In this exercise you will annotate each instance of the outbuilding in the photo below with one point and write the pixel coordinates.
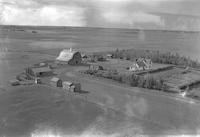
(14, 82)
(70, 57)
(110, 56)
(67, 85)
(39, 71)
(71, 87)
(56, 82)
(77, 87)
(95, 67)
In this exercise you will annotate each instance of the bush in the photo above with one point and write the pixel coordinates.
(157, 57)
(133, 80)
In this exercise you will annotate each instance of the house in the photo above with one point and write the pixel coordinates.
(135, 67)
(148, 63)
(70, 57)
(56, 82)
(141, 64)
(39, 71)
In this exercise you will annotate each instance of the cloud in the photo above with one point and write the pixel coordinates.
(50, 15)
(132, 18)
(100, 13)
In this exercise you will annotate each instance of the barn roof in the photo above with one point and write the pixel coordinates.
(66, 55)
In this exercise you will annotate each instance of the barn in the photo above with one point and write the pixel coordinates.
(70, 56)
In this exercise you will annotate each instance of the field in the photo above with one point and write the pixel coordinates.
(107, 109)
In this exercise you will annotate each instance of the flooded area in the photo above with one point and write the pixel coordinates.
(36, 111)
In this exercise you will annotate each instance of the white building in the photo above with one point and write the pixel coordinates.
(70, 56)
(141, 64)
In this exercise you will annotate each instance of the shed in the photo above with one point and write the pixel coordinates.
(38, 81)
(110, 56)
(72, 87)
(67, 85)
(95, 67)
(70, 56)
(14, 82)
(39, 71)
(56, 82)
(77, 87)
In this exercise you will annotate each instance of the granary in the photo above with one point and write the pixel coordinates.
(141, 64)
(56, 82)
(69, 56)
(39, 71)
(67, 85)
(71, 87)
(77, 87)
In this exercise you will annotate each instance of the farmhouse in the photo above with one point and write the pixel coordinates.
(56, 82)
(141, 64)
(70, 56)
(39, 71)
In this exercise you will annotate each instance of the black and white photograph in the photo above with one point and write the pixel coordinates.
(99, 68)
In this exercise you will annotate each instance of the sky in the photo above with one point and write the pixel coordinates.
(142, 14)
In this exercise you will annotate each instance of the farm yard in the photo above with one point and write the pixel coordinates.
(122, 65)
(109, 107)
(175, 78)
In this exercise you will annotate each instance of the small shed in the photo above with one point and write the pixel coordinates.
(71, 87)
(95, 67)
(39, 71)
(110, 56)
(67, 85)
(38, 81)
(56, 82)
(77, 87)
(14, 82)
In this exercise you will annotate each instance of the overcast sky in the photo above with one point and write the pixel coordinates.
(103, 13)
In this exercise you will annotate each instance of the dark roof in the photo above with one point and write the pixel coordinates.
(41, 69)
